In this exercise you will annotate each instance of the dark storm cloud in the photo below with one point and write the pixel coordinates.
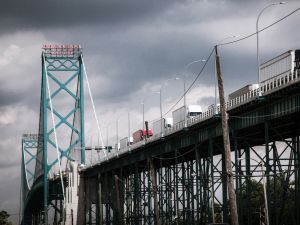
(9, 164)
(42, 14)
(9, 97)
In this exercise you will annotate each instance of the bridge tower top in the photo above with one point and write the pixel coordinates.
(62, 51)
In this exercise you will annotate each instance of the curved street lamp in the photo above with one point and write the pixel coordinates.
(257, 40)
(160, 103)
(184, 83)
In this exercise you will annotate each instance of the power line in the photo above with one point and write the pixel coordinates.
(265, 28)
(203, 67)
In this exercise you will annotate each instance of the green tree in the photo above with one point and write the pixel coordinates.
(281, 198)
(4, 218)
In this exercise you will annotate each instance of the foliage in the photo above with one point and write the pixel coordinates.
(4, 218)
(281, 201)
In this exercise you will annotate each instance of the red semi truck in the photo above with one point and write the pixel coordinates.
(140, 135)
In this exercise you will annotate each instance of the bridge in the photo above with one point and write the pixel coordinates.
(176, 177)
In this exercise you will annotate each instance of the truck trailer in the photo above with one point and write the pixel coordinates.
(160, 125)
(242, 91)
(125, 142)
(190, 111)
(280, 66)
(140, 135)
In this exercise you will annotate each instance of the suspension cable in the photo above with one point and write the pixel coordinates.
(94, 108)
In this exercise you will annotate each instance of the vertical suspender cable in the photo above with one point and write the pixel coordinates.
(54, 129)
(94, 108)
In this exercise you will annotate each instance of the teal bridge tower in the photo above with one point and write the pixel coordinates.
(60, 137)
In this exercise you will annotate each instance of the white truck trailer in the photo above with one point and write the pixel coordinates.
(281, 66)
(242, 91)
(159, 126)
(125, 142)
(190, 111)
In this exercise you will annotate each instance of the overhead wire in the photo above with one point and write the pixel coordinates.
(265, 28)
(192, 84)
(188, 89)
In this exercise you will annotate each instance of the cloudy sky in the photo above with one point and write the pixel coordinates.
(131, 48)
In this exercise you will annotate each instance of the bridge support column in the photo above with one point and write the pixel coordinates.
(238, 174)
(267, 166)
(74, 197)
(154, 191)
(198, 188)
(118, 201)
(248, 179)
(100, 202)
(297, 179)
(211, 181)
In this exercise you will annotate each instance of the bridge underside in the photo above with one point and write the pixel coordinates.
(34, 214)
(181, 178)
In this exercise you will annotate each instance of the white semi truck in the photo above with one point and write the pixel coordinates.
(158, 126)
(242, 91)
(125, 142)
(190, 111)
(281, 66)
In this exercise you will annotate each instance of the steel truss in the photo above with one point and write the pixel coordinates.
(190, 184)
(281, 161)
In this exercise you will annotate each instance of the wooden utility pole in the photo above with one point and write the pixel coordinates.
(227, 151)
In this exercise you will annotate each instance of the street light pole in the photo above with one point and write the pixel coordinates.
(160, 104)
(117, 135)
(129, 141)
(161, 117)
(257, 41)
(263, 169)
(107, 137)
(184, 84)
(143, 115)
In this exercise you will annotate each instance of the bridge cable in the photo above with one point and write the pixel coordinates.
(54, 130)
(94, 108)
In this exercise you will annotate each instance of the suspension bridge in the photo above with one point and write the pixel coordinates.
(175, 178)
